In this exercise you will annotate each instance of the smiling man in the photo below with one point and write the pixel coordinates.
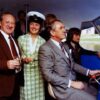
(9, 87)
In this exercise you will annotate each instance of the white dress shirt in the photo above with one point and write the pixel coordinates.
(6, 36)
(57, 44)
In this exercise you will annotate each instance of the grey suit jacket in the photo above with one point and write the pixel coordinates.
(57, 69)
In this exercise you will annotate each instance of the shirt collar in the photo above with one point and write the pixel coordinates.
(4, 34)
(56, 43)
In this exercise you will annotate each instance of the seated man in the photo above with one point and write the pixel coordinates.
(59, 69)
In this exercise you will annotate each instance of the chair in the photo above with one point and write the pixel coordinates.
(50, 90)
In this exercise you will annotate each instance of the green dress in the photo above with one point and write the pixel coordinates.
(33, 81)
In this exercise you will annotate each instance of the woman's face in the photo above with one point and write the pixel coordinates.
(34, 28)
(76, 38)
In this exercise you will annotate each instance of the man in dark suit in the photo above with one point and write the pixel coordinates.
(59, 69)
(20, 28)
(8, 64)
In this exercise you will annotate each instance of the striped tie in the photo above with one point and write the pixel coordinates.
(13, 49)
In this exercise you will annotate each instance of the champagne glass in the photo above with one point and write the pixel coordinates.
(18, 66)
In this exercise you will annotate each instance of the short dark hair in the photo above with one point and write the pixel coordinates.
(35, 19)
(21, 12)
(6, 13)
(51, 15)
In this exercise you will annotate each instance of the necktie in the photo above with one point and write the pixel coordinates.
(63, 50)
(62, 47)
(13, 49)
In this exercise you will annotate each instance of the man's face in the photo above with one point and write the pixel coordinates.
(7, 24)
(21, 17)
(76, 38)
(59, 31)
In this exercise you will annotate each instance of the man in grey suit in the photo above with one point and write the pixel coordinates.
(59, 69)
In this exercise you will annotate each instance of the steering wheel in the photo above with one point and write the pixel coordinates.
(95, 79)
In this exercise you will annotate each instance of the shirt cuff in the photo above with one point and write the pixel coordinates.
(69, 84)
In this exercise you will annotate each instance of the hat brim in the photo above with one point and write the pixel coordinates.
(38, 14)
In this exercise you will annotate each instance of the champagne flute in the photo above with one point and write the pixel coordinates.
(18, 66)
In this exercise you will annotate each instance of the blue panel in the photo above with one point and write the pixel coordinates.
(90, 61)
(98, 96)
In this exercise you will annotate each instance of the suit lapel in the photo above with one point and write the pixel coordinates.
(67, 50)
(5, 46)
(17, 46)
(57, 50)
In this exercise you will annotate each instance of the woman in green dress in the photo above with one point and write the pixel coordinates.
(29, 44)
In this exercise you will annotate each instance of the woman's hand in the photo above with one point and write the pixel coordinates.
(27, 60)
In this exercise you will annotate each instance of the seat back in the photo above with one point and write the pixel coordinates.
(50, 90)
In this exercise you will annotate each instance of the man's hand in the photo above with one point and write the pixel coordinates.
(13, 64)
(77, 84)
(94, 72)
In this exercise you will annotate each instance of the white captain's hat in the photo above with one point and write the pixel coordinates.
(35, 13)
(37, 17)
